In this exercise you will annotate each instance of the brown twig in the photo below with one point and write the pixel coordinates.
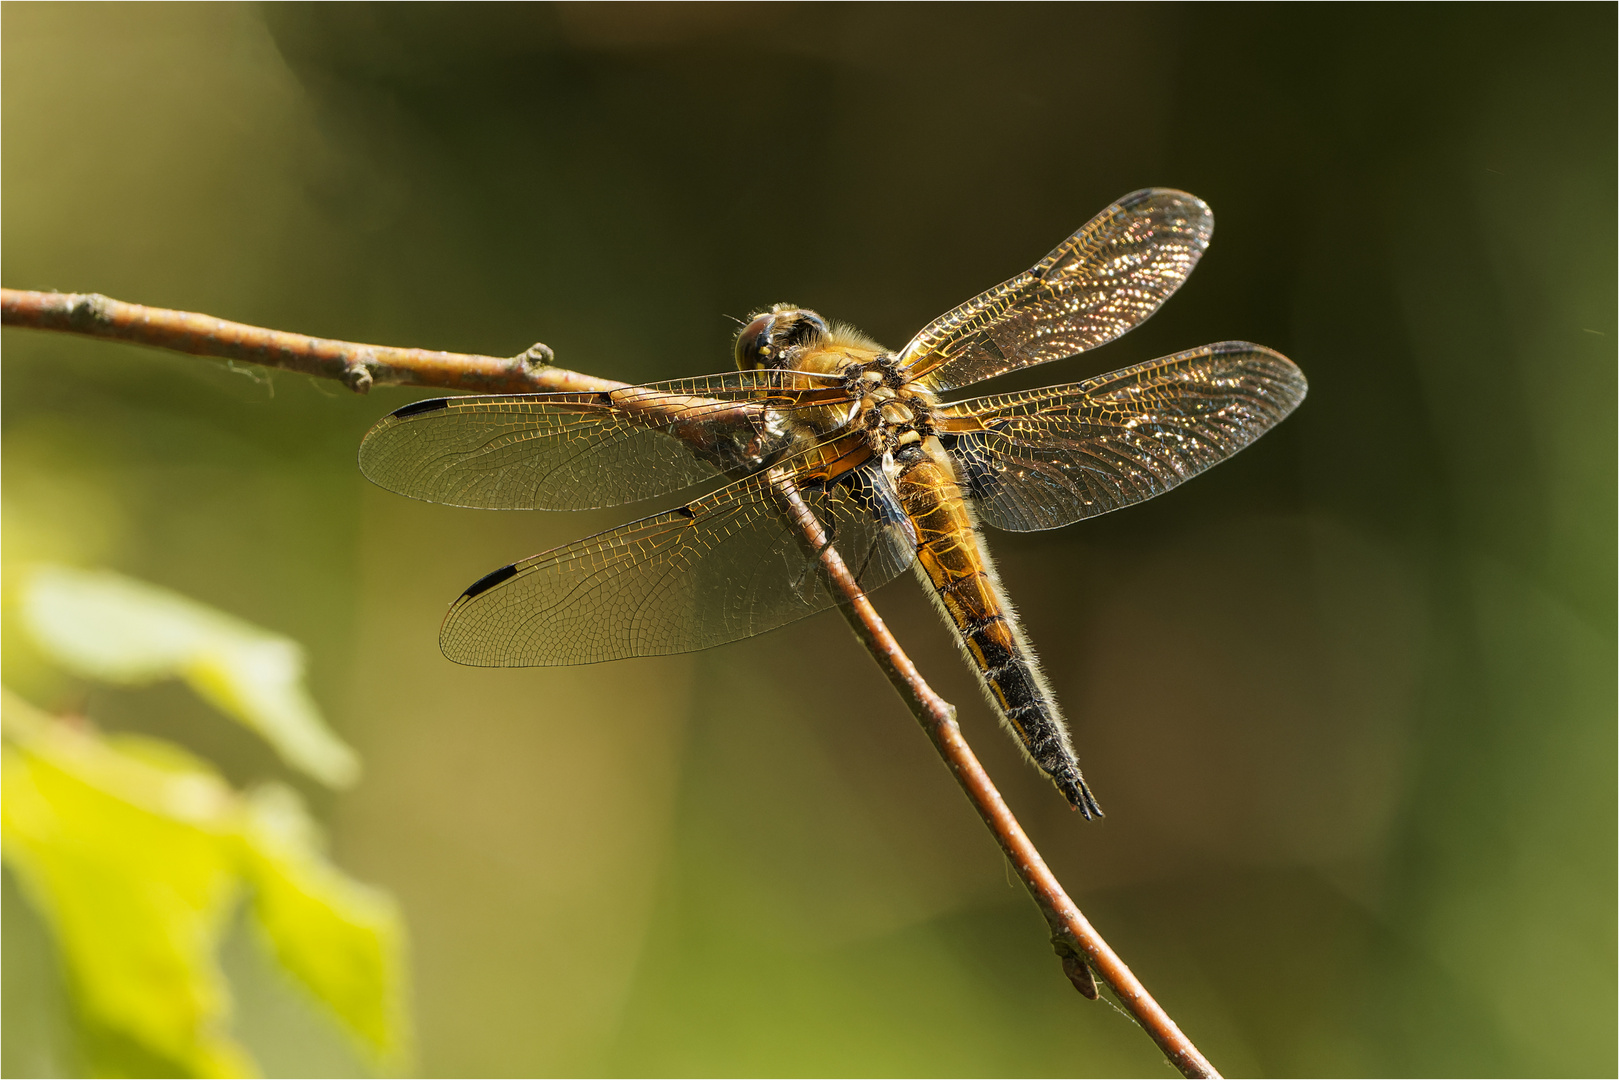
(1076, 942)
(357, 366)
(1072, 936)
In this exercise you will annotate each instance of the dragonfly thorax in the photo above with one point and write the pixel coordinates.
(892, 416)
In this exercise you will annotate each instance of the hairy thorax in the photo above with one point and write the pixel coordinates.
(858, 398)
(892, 417)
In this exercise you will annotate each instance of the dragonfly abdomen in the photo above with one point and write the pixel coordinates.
(952, 560)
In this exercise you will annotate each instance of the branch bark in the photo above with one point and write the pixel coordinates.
(357, 366)
(1081, 949)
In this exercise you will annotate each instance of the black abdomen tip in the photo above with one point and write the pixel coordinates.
(1078, 794)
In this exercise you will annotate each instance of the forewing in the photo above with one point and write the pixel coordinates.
(1045, 458)
(581, 450)
(1105, 279)
(724, 567)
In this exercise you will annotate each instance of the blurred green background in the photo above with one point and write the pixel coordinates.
(1348, 699)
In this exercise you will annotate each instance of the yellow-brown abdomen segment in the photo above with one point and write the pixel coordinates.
(953, 560)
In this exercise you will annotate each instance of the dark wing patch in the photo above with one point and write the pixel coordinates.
(490, 580)
(416, 408)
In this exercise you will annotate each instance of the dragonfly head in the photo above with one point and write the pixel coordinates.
(775, 337)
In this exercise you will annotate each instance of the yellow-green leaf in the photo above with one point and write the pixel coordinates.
(134, 851)
(132, 858)
(344, 941)
(114, 629)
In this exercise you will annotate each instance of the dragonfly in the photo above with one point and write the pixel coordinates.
(821, 440)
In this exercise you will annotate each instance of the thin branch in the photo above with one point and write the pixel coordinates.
(357, 366)
(1081, 949)
(1072, 936)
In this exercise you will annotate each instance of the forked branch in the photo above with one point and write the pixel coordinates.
(1076, 942)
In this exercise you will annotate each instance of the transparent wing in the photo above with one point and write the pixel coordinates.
(724, 567)
(582, 450)
(1044, 458)
(1105, 279)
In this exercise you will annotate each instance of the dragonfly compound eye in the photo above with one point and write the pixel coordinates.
(765, 341)
(753, 347)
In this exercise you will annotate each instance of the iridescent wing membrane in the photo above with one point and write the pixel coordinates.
(1102, 281)
(721, 568)
(1045, 458)
(584, 450)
